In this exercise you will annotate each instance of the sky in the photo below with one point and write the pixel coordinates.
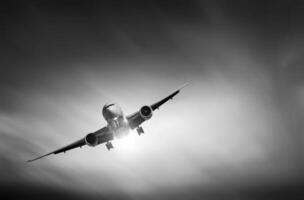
(235, 132)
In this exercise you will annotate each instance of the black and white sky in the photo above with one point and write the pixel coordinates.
(236, 132)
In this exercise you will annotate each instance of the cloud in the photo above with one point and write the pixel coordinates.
(232, 133)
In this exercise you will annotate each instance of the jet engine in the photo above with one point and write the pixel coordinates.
(139, 117)
(146, 112)
(91, 139)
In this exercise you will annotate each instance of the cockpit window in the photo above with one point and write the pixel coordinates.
(112, 104)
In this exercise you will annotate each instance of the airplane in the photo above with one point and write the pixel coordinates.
(117, 126)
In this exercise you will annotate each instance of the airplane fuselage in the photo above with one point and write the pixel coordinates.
(117, 123)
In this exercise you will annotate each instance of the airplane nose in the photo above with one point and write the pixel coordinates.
(111, 111)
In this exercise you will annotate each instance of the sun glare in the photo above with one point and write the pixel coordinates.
(129, 144)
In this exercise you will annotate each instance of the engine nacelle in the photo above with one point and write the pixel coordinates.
(91, 139)
(139, 117)
(146, 112)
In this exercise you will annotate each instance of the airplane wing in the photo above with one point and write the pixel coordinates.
(135, 121)
(102, 135)
(78, 143)
(161, 102)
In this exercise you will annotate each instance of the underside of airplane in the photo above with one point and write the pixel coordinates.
(118, 125)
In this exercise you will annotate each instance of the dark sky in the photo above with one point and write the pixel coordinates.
(236, 132)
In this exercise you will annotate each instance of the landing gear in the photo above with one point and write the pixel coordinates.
(140, 130)
(109, 146)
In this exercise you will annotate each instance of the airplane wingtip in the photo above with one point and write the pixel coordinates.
(31, 160)
(184, 85)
